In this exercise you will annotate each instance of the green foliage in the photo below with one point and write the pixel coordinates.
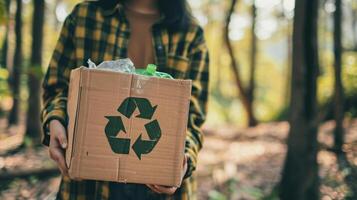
(326, 86)
(274, 195)
(231, 190)
(33, 180)
(35, 70)
(28, 142)
(350, 73)
(228, 190)
(232, 187)
(215, 195)
(3, 13)
(4, 88)
(253, 192)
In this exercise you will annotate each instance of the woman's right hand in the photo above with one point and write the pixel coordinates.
(58, 144)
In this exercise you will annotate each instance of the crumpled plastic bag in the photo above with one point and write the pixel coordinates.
(127, 66)
(120, 65)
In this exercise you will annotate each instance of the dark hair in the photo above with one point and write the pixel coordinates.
(177, 13)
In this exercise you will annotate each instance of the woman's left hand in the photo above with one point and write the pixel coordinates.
(168, 189)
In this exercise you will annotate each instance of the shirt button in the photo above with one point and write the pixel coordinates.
(159, 47)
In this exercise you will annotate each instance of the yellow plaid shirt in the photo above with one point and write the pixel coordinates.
(102, 34)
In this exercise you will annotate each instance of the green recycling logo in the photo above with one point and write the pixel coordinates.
(115, 126)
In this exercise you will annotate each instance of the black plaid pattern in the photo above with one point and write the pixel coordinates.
(91, 32)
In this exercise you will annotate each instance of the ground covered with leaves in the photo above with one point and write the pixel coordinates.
(235, 163)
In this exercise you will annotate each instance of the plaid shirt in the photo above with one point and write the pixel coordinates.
(92, 32)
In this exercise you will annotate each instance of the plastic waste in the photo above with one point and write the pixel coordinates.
(120, 65)
(151, 71)
(127, 66)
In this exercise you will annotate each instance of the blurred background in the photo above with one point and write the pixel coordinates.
(282, 106)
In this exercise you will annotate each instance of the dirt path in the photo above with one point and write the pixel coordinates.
(234, 164)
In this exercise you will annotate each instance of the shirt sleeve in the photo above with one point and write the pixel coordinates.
(55, 83)
(199, 74)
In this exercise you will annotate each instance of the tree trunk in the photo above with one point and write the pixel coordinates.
(354, 26)
(253, 56)
(16, 68)
(300, 174)
(247, 103)
(33, 127)
(338, 97)
(4, 48)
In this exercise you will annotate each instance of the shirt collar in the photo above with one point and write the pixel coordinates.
(110, 11)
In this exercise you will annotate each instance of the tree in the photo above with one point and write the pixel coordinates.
(2, 11)
(16, 68)
(354, 27)
(3, 59)
(253, 58)
(338, 95)
(33, 127)
(300, 173)
(246, 93)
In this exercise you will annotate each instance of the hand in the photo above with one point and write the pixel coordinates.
(58, 144)
(167, 189)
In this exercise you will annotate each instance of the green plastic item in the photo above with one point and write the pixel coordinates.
(151, 71)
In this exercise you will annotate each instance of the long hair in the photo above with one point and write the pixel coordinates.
(177, 12)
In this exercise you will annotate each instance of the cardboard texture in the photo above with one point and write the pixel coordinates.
(126, 127)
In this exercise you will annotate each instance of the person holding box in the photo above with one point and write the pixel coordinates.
(147, 31)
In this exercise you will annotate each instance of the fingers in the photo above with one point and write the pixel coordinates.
(62, 138)
(162, 189)
(58, 132)
(57, 155)
(58, 142)
(165, 189)
(153, 188)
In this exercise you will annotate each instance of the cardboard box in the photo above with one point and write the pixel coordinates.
(126, 127)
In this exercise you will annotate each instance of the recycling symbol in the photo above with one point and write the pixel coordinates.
(115, 126)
